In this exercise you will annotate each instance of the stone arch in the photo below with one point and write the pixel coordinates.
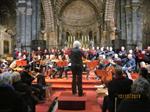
(70, 17)
(96, 4)
(50, 29)
(65, 4)
(109, 9)
(48, 14)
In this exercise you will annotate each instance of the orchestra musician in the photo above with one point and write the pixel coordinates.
(129, 66)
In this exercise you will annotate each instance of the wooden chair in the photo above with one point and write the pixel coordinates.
(91, 66)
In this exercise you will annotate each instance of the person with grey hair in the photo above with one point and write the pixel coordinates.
(25, 91)
(6, 78)
(76, 68)
(15, 77)
(139, 100)
(10, 101)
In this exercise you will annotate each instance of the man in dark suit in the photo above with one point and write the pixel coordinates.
(76, 67)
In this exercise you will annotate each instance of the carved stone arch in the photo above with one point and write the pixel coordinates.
(108, 25)
(109, 10)
(50, 30)
(67, 2)
(49, 15)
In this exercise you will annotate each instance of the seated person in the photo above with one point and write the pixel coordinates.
(141, 100)
(25, 92)
(10, 101)
(119, 85)
(129, 66)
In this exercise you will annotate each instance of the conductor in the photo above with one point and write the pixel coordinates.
(76, 68)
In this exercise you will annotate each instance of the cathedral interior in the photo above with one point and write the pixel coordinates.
(25, 24)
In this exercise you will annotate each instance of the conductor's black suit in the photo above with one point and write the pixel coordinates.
(76, 67)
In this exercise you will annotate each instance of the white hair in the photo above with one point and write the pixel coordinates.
(110, 48)
(76, 44)
(142, 64)
(141, 86)
(130, 51)
(116, 55)
(16, 77)
(122, 48)
(6, 78)
(129, 56)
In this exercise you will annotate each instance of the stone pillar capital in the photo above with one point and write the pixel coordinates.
(29, 11)
(22, 10)
(128, 7)
(135, 6)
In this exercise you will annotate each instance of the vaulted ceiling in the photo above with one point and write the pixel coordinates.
(8, 12)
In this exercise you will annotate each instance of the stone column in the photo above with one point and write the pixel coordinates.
(136, 23)
(139, 27)
(128, 24)
(28, 26)
(18, 30)
(98, 37)
(123, 21)
(60, 35)
(36, 21)
(23, 26)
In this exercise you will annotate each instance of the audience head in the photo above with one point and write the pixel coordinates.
(76, 44)
(144, 72)
(110, 49)
(16, 77)
(93, 48)
(102, 48)
(47, 56)
(38, 57)
(148, 48)
(97, 48)
(24, 57)
(143, 52)
(142, 64)
(19, 55)
(39, 48)
(136, 48)
(141, 86)
(115, 55)
(129, 56)
(107, 48)
(118, 72)
(6, 78)
(130, 51)
(122, 48)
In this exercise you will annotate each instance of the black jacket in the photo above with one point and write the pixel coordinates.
(119, 86)
(76, 57)
(134, 105)
(116, 88)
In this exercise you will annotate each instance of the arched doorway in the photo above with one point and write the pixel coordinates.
(79, 18)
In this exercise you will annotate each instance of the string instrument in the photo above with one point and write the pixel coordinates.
(106, 74)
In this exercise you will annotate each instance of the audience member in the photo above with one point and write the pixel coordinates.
(139, 100)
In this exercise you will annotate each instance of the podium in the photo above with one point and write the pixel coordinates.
(67, 101)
